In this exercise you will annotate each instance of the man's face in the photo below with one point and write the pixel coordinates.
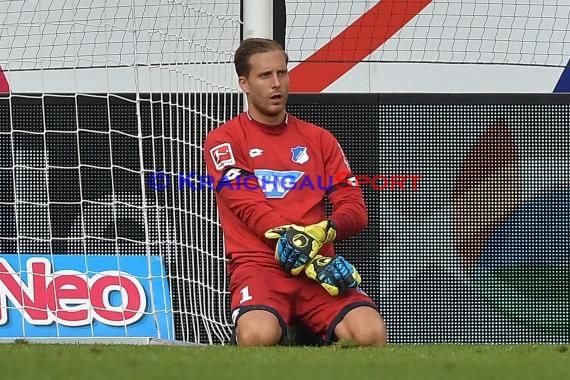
(267, 87)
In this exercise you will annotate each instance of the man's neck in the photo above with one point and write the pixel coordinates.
(267, 120)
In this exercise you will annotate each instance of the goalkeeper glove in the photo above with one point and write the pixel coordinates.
(335, 274)
(298, 245)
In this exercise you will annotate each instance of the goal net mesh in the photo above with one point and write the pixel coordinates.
(101, 139)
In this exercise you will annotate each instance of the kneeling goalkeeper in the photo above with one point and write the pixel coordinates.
(278, 239)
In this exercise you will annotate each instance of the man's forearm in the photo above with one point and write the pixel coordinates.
(349, 212)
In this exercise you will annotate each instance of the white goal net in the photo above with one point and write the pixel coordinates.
(105, 228)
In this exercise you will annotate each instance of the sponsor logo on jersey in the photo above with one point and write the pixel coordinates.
(276, 183)
(299, 154)
(222, 155)
(352, 181)
(255, 152)
(232, 174)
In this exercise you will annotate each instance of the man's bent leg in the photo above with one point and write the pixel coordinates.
(258, 328)
(352, 316)
(363, 325)
(261, 304)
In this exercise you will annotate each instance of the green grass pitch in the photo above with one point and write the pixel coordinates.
(341, 361)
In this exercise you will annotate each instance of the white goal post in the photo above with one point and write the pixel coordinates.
(106, 232)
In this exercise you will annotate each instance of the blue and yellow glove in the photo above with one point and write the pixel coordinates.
(335, 274)
(298, 245)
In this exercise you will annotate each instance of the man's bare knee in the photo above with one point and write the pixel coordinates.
(258, 328)
(375, 336)
(364, 326)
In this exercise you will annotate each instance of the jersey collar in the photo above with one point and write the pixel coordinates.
(271, 129)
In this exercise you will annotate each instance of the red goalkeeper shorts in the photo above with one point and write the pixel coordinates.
(291, 298)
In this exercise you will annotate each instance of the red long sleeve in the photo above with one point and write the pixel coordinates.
(349, 212)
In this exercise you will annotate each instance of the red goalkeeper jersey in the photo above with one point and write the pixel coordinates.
(268, 176)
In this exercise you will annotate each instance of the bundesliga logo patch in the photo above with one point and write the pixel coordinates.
(222, 155)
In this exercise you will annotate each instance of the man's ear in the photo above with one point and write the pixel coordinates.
(243, 84)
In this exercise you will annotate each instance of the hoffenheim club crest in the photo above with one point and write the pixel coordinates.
(299, 154)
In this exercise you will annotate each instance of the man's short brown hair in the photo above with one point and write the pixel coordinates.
(251, 46)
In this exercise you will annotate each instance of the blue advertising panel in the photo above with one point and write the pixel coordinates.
(84, 296)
